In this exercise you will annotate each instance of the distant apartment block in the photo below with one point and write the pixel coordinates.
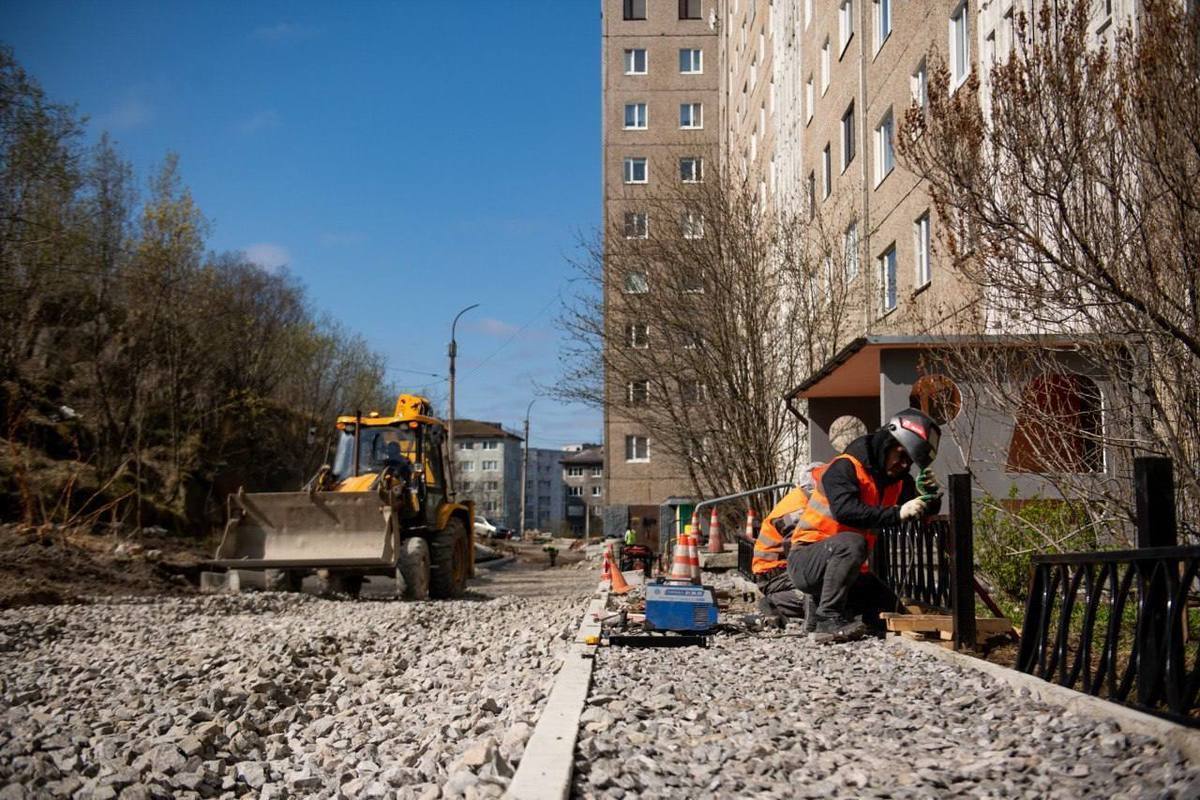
(582, 474)
(544, 508)
(487, 464)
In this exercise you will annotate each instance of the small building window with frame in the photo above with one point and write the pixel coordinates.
(635, 9)
(635, 61)
(691, 169)
(887, 279)
(689, 9)
(691, 61)
(636, 170)
(637, 448)
(637, 393)
(636, 225)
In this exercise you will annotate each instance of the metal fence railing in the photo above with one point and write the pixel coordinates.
(1115, 624)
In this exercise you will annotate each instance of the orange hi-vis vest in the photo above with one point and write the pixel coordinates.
(803, 518)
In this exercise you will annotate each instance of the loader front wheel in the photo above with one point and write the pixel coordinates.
(414, 568)
(449, 561)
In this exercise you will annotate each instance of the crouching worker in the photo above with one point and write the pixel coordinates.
(867, 487)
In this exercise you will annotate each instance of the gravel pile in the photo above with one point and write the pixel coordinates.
(274, 695)
(763, 716)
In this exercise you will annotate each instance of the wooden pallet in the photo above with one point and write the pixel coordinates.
(940, 627)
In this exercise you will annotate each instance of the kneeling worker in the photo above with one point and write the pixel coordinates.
(866, 488)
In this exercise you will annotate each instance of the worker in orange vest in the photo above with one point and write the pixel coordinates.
(829, 531)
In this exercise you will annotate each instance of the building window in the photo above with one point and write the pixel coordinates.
(809, 100)
(691, 392)
(489, 466)
(825, 68)
(826, 172)
(960, 46)
(575, 491)
(635, 170)
(635, 116)
(636, 283)
(637, 448)
(691, 61)
(883, 22)
(845, 25)
(691, 169)
(467, 466)
(574, 472)
(635, 9)
(848, 136)
(887, 279)
(637, 393)
(1058, 426)
(637, 335)
(691, 225)
(851, 246)
(464, 445)
(489, 445)
(595, 491)
(491, 486)
(635, 61)
(597, 472)
(691, 115)
(689, 9)
(919, 84)
(921, 249)
(885, 154)
(636, 225)
(693, 282)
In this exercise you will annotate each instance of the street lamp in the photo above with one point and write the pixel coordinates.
(450, 429)
(525, 469)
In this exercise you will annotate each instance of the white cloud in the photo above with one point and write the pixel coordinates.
(270, 257)
(259, 121)
(494, 327)
(284, 32)
(129, 113)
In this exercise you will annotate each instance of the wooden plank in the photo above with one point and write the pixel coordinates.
(942, 622)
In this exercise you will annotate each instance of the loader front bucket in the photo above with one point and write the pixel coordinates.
(299, 529)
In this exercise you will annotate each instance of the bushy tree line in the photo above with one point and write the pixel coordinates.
(142, 377)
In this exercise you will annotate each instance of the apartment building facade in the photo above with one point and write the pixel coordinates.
(544, 490)
(582, 474)
(661, 127)
(487, 464)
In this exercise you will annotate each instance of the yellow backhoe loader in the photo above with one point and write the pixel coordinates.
(383, 507)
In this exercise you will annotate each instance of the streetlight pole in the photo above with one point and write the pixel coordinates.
(525, 469)
(450, 427)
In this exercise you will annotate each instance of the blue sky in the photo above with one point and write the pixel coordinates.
(403, 159)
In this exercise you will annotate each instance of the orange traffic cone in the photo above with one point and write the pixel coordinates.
(693, 556)
(715, 545)
(619, 584)
(606, 573)
(750, 518)
(681, 570)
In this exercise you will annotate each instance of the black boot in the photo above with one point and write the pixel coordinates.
(837, 628)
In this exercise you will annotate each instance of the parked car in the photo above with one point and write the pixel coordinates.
(483, 528)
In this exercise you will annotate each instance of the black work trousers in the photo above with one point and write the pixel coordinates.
(827, 569)
(778, 590)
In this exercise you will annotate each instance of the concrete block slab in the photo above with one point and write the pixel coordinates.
(242, 580)
(718, 561)
(214, 582)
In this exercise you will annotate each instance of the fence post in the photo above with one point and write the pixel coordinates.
(962, 562)
(1154, 494)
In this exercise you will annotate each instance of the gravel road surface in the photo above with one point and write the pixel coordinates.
(276, 695)
(777, 716)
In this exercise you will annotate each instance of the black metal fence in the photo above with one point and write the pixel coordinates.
(933, 563)
(1115, 624)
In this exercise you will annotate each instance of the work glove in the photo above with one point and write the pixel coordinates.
(927, 485)
(913, 509)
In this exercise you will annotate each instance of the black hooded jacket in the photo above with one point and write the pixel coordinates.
(840, 484)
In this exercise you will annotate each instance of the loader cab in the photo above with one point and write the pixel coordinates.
(399, 445)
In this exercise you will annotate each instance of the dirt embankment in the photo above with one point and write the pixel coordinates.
(67, 566)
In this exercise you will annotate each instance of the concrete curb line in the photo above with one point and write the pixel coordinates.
(549, 760)
(495, 562)
(1183, 739)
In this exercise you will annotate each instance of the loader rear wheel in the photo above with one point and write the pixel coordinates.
(414, 568)
(449, 561)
